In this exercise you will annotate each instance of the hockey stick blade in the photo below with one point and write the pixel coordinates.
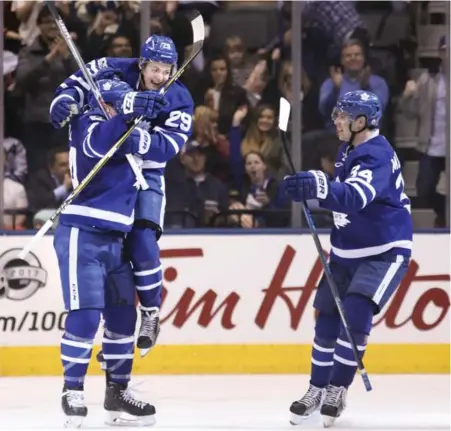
(197, 25)
(284, 115)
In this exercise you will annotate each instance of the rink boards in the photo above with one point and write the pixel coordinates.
(232, 303)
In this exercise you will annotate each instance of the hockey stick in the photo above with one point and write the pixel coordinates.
(197, 25)
(284, 115)
(93, 86)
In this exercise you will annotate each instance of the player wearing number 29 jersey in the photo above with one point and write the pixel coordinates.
(166, 134)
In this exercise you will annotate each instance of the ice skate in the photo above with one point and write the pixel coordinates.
(333, 405)
(304, 407)
(149, 330)
(122, 409)
(73, 404)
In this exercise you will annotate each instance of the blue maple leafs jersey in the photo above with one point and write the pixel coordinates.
(168, 132)
(105, 203)
(371, 211)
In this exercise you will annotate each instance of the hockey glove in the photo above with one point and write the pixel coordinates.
(138, 143)
(146, 103)
(62, 109)
(108, 73)
(306, 185)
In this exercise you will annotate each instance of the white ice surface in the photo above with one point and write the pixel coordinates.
(248, 403)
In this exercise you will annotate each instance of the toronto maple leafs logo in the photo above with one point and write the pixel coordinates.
(365, 97)
(340, 220)
(107, 86)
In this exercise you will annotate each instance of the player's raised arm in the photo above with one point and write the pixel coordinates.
(72, 94)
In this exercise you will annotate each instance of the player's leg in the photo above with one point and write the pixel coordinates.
(82, 280)
(327, 329)
(372, 285)
(118, 348)
(144, 253)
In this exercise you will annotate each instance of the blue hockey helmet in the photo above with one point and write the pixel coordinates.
(357, 104)
(112, 92)
(160, 49)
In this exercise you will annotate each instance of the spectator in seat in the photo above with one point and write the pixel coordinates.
(105, 19)
(215, 146)
(241, 66)
(16, 159)
(261, 136)
(195, 190)
(353, 74)
(260, 191)
(42, 66)
(49, 187)
(425, 99)
(14, 198)
(219, 93)
(119, 46)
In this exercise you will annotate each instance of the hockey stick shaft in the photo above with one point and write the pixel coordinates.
(198, 36)
(93, 86)
(322, 256)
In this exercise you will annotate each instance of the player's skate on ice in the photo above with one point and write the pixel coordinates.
(371, 248)
(123, 409)
(74, 407)
(309, 403)
(89, 240)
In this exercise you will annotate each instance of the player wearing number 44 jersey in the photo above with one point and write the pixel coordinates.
(167, 133)
(371, 247)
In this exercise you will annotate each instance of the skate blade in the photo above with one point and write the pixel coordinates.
(74, 421)
(144, 352)
(122, 419)
(298, 419)
(328, 421)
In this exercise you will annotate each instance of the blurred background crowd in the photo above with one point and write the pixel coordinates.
(229, 172)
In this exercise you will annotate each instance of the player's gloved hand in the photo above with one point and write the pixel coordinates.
(306, 185)
(138, 143)
(62, 109)
(108, 73)
(142, 103)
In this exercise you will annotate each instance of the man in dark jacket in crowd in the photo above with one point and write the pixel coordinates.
(42, 66)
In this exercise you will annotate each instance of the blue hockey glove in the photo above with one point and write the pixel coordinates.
(108, 73)
(139, 142)
(306, 185)
(146, 103)
(62, 109)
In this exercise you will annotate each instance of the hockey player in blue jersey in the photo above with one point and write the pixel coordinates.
(168, 132)
(371, 247)
(96, 278)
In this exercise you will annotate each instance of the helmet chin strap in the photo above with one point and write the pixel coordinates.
(354, 133)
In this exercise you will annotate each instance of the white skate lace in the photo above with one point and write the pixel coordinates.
(128, 397)
(333, 395)
(75, 398)
(149, 324)
(311, 397)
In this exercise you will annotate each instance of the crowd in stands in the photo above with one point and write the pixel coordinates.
(228, 174)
